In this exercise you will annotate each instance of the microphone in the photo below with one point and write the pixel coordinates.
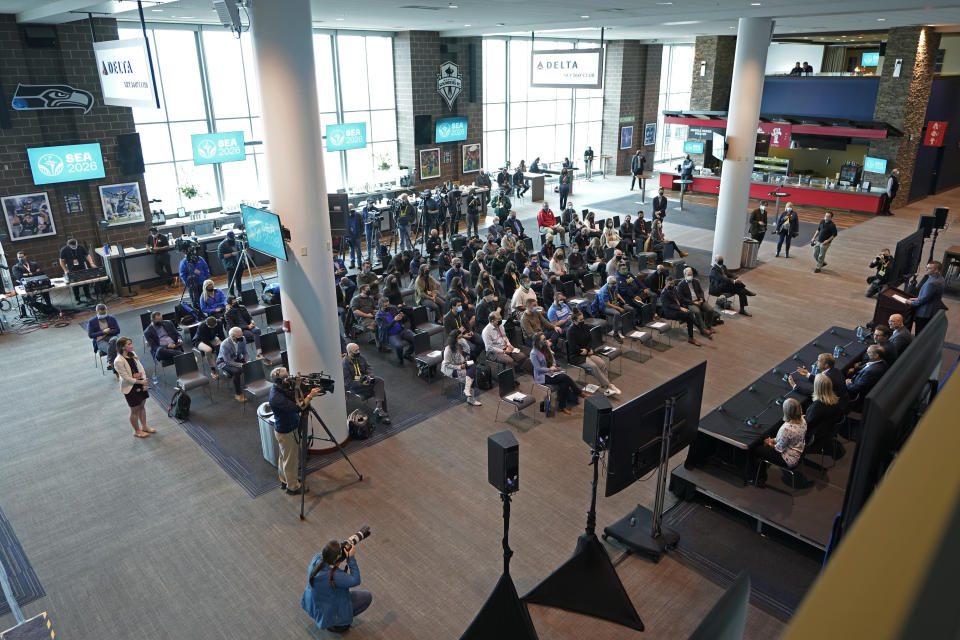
(796, 356)
(775, 370)
(815, 343)
(720, 409)
(779, 401)
(751, 388)
(833, 332)
(751, 422)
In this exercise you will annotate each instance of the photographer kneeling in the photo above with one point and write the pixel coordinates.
(286, 414)
(328, 598)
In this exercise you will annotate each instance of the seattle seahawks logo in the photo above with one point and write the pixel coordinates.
(32, 97)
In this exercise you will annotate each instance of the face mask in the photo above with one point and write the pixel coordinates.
(623, 271)
(157, 323)
(72, 245)
(238, 339)
(459, 309)
(826, 219)
(489, 299)
(688, 278)
(209, 289)
(526, 285)
(496, 323)
(101, 316)
(129, 348)
(720, 261)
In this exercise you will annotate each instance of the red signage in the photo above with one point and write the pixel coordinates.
(779, 133)
(935, 133)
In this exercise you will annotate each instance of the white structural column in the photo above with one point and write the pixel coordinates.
(753, 40)
(283, 49)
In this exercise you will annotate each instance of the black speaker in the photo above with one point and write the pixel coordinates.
(129, 153)
(940, 213)
(474, 72)
(597, 411)
(421, 129)
(39, 36)
(883, 48)
(4, 112)
(503, 461)
(339, 206)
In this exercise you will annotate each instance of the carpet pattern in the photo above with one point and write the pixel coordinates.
(23, 581)
(719, 543)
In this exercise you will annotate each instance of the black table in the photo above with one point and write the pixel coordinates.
(729, 432)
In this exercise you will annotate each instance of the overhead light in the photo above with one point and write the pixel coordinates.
(467, 25)
(451, 6)
(680, 22)
(881, 19)
(584, 17)
(339, 19)
(664, 4)
(731, 27)
(755, 4)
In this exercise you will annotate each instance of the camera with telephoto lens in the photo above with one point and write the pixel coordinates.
(306, 382)
(353, 540)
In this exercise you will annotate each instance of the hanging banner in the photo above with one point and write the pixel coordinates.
(936, 131)
(33, 97)
(567, 68)
(779, 133)
(66, 163)
(343, 137)
(125, 74)
(214, 148)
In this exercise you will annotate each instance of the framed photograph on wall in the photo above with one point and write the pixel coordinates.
(471, 158)
(122, 203)
(28, 216)
(626, 137)
(650, 134)
(73, 203)
(429, 163)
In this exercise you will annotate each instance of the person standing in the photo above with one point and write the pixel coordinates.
(159, 245)
(930, 298)
(565, 177)
(370, 221)
(881, 263)
(788, 227)
(758, 222)
(483, 181)
(406, 216)
(637, 164)
(588, 163)
(826, 232)
(893, 186)
(133, 386)
(355, 229)
(229, 256)
(286, 420)
(686, 168)
(73, 257)
(193, 272)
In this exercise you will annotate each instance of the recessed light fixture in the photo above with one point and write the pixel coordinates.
(755, 4)
(451, 6)
(664, 4)
(881, 19)
(467, 25)
(339, 19)
(680, 22)
(584, 17)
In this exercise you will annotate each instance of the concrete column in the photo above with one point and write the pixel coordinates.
(753, 39)
(283, 50)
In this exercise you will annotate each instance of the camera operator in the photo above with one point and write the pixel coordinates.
(193, 271)
(371, 219)
(881, 263)
(443, 218)
(286, 414)
(358, 379)
(355, 230)
(474, 207)
(229, 255)
(159, 245)
(431, 211)
(483, 180)
(328, 598)
(406, 216)
(454, 200)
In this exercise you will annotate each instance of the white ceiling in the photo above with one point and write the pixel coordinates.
(648, 20)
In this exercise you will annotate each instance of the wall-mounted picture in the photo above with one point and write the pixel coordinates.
(429, 163)
(122, 203)
(73, 202)
(649, 134)
(471, 158)
(626, 137)
(28, 216)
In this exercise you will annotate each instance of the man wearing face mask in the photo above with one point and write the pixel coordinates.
(758, 222)
(388, 323)
(358, 379)
(722, 282)
(369, 278)
(580, 353)
(535, 272)
(73, 257)
(657, 280)
(633, 294)
(163, 338)
(237, 315)
(159, 245)
(559, 313)
(523, 295)
(691, 296)
(25, 268)
(104, 330)
(487, 305)
(826, 232)
(406, 216)
(534, 321)
(499, 348)
(881, 263)
(286, 413)
(229, 255)
(671, 308)
(788, 227)
(230, 360)
(515, 225)
(193, 271)
(454, 321)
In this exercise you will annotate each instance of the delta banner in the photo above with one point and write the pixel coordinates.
(935, 134)
(779, 133)
(125, 74)
(567, 68)
(343, 137)
(50, 165)
(214, 148)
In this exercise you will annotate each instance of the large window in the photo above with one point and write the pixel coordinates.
(521, 122)
(676, 78)
(207, 82)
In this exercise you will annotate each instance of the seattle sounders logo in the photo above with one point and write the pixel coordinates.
(207, 149)
(50, 165)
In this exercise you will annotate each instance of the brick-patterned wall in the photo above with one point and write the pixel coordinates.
(711, 92)
(72, 63)
(417, 59)
(902, 102)
(612, 78)
(631, 82)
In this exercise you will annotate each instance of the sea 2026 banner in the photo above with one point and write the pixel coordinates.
(567, 68)
(65, 163)
(214, 148)
(343, 137)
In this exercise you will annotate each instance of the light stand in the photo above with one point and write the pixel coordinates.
(642, 530)
(588, 582)
(305, 438)
(244, 261)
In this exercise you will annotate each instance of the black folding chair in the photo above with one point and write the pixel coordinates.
(601, 349)
(270, 348)
(189, 375)
(255, 383)
(273, 316)
(507, 386)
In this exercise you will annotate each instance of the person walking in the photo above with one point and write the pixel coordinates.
(758, 222)
(788, 227)
(826, 232)
(893, 186)
(637, 164)
(133, 386)
(564, 187)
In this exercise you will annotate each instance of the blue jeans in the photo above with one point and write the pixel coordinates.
(400, 340)
(782, 237)
(356, 255)
(405, 243)
(371, 235)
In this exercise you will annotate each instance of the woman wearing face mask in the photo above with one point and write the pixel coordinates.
(546, 372)
(212, 300)
(548, 248)
(426, 292)
(788, 228)
(133, 386)
(611, 236)
(558, 266)
(458, 294)
(458, 366)
(658, 241)
(511, 280)
(596, 258)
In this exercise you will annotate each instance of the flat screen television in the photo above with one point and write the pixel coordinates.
(870, 59)
(451, 129)
(874, 165)
(264, 232)
(717, 148)
(693, 146)
(906, 258)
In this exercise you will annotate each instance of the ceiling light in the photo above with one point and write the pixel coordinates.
(584, 17)
(755, 4)
(881, 19)
(467, 25)
(451, 6)
(664, 4)
(680, 22)
(339, 19)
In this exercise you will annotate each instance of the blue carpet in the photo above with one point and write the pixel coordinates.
(719, 543)
(23, 581)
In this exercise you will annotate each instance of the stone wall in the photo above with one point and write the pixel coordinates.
(70, 62)
(631, 85)
(711, 91)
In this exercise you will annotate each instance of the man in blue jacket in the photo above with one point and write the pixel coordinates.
(193, 272)
(355, 230)
(104, 330)
(930, 298)
(328, 598)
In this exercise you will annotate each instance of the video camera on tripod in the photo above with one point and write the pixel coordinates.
(189, 247)
(304, 383)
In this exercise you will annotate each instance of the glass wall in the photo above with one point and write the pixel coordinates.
(207, 82)
(521, 122)
(676, 77)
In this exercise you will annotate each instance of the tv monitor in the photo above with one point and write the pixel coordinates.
(264, 232)
(693, 146)
(874, 165)
(636, 428)
(870, 59)
(906, 258)
(50, 165)
(717, 147)
(451, 129)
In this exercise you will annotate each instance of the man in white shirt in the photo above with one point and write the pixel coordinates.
(498, 345)
(523, 293)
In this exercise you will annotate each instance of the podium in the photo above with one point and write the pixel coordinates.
(888, 304)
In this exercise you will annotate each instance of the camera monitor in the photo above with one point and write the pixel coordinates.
(636, 428)
(264, 232)
(906, 258)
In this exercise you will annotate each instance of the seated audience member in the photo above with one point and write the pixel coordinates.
(523, 295)
(445, 257)
(359, 380)
(630, 289)
(860, 384)
(502, 206)
(368, 277)
(104, 330)
(534, 321)
(611, 236)
(613, 264)
(519, 183)
(459, 366)
(657, 279)
(611, 304)
(901, 336)
(535, 272)
(388, 320)
(230, 360)
(487, 281)
(671, 308)
(549, 223)
(364, 308)
(163, 338)
(547, 249)
(546, 372)
(591, 228)
(595, 258)
(459, 292)
(498, 264)
(208, 339)
(628, 236)
(784, 450)
(392, 291)
(824, 413)
(212, 300)
(456, 321)
(721, 282)
(456, 271)
(415, 263)
(580, 352)
(641, 229)
(520, 257)
(498, 345)
(426, 292)
(433, 244)
(347, 289)
(576, 267)
(559, 313)
(691, 296)
(339, 268)
(238, 316)
(825, 362)
(487, 304)
(478, 266)
(399, 265)
(514, 224)
(511, 280)
(658, 241)
(509, 240)
(550, 289)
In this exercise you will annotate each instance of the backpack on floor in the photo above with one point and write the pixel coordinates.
(360, 425)
(484, 377)
(383, 253)
(179, 408)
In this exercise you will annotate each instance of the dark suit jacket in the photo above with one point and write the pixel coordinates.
(720, 280)
(153, 340)
(516, 225)
(805, 385)
(670, 302)
(655, 281)
(683, 292)
(32, 269)
(869, 375)
(930, 298)
(94, 332)
(660, 203)
(901, 339)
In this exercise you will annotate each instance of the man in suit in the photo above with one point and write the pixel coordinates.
(515, 225)
(230, 360)
(691, 296)
(104, 330)
(869, 374)
(637, 164)
(660, 204)
(163, 338)
(901, 336)
(825, 365)
(722, 282)
(930, 298)
(671, 308)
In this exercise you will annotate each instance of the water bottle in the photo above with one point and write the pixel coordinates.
(836, 352)
(859, 332)
(813, 368)
(106, 249)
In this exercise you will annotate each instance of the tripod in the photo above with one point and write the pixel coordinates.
(305, 438)
(244, 261)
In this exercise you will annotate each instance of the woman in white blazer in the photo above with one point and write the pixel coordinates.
(133, 386)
